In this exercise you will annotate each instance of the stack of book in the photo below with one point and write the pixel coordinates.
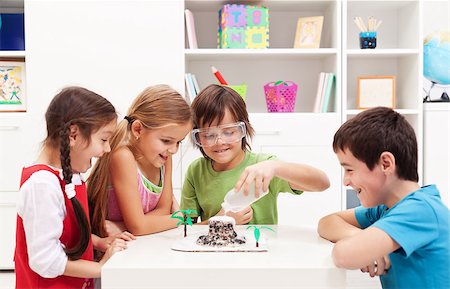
(192, 88)
(324, 91)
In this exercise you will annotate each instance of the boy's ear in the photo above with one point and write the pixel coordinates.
(387, 162)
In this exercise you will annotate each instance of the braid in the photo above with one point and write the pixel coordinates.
(64, 149)
(76, 251)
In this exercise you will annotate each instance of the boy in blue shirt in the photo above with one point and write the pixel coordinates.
(401, 231)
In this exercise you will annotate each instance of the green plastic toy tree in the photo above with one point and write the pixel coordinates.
(185, 219)
(257, 232)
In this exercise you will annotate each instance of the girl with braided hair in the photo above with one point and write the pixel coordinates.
(54, 246)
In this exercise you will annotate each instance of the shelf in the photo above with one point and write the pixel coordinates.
(12, 6)
(237, 54)
(283, 17)
(401, 111)
(12, 54)
(380, 53)
(278, 6)
(400, 28)
(375, 6)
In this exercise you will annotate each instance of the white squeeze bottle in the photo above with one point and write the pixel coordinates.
(237, 201)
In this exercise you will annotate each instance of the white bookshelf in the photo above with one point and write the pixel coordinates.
(256, 67)
(10, 137)
(301, 136)
(398, 52)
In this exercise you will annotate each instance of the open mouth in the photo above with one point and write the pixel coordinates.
(163, 157)
(221, 150)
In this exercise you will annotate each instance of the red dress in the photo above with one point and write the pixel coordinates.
(25, 276)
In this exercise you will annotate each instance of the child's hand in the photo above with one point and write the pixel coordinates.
(242, 217)
(114, 228)
(378, 267)
(261, 173)
(116, 246)
(105, 243)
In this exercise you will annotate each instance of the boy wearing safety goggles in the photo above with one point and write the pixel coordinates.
(222, 130)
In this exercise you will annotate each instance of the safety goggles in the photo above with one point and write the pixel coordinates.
(228, 133)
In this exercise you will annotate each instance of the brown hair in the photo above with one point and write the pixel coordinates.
(89, 112)
(155, 107)
(377, 130)
(211, 104)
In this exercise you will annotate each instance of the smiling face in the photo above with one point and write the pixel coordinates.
(82, 152)
(157, 145)
(369, 184)
(224, 156)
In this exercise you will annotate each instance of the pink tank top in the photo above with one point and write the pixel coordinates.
(149, 194)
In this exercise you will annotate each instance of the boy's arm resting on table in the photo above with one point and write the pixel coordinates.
(355, 248)
(123, 172)
(363, 249)
(338, 226)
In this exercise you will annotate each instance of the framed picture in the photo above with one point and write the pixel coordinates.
(309, 30)
(12, 83)
(376, 91)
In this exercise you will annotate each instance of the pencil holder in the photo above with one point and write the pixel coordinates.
(368, 40)
(280, 96)
(241, 89)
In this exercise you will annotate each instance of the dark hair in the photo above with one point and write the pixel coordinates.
(211, 104)
(89, 112)
(378, 130)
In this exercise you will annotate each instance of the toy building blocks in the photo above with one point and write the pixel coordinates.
(243, 26)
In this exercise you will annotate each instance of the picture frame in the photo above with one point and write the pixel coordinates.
(12, 86)
(309, 32)
(376, 91)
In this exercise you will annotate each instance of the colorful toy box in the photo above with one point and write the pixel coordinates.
(243, 26)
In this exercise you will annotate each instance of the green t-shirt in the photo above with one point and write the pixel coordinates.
(204, 189)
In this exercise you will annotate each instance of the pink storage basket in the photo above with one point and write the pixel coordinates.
(280, 96)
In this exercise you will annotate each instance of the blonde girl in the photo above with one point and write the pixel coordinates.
(54, 246)
(132, 186)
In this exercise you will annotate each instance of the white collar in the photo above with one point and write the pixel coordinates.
(77, 179)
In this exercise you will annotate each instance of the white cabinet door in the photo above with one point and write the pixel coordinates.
(8, 217)
(306, 209)
(437, 147)
(19, 144)
(302, 138)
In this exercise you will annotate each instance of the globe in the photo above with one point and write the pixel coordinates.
(436, 57)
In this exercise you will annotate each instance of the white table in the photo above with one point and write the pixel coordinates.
(296, 258)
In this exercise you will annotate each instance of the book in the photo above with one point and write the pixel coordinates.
(190, 29)
(197, 88)
(190, 90)
(318, 100)
(327, 92)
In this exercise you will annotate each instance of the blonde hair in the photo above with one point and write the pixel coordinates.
(155, 107)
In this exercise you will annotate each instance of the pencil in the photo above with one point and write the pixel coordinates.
(357, 24)
(218, 76)
(378, 25)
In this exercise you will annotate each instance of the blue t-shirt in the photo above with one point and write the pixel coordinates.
(419, 223)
